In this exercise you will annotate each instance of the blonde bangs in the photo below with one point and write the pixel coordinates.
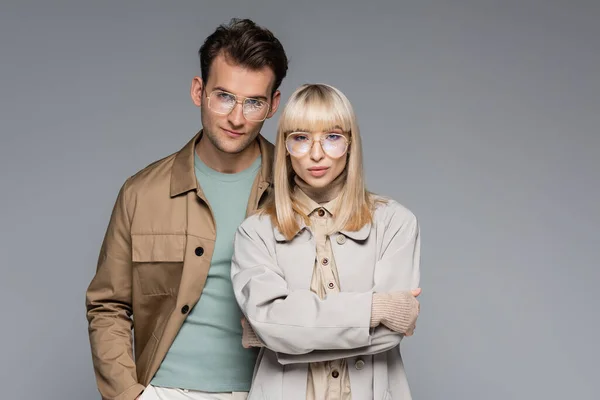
(315, 109)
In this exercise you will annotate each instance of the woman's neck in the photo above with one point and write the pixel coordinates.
(324, 194)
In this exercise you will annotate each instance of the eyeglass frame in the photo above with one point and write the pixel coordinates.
(348, 140)
(237, 101)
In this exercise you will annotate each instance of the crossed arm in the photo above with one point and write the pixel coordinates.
(300, 327)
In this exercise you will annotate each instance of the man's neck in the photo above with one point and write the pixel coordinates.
(226, 163)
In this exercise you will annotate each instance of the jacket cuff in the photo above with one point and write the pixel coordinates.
(131, 393)
(249, 337)
(397, 311)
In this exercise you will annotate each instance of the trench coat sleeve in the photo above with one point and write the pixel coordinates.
(382, 340)
(109, 310)
(292, 321)
(399, 265)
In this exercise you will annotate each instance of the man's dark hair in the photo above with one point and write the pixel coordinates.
(245, 44)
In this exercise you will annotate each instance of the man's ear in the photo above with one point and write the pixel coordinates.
(274, 103)
(196, 91)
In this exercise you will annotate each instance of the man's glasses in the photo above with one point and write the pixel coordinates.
(334, 145)
(222, 102)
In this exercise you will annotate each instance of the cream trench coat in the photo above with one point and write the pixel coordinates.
(271, 279)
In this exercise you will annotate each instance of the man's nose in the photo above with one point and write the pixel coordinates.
(236, 116)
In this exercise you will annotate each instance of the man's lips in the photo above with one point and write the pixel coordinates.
(232, 133)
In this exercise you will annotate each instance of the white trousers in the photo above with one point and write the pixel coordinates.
(161, 393)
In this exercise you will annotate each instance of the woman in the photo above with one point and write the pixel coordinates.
(327, 273)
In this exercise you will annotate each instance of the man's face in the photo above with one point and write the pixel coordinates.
(233, 133)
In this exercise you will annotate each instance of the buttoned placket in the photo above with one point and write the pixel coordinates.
(326, 281)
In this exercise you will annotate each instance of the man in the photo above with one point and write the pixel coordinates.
(164, 265)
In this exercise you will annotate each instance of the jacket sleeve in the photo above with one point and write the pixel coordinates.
(398, 266)
(293, 321)
(397, 269)
(108, 303)
(382, 340)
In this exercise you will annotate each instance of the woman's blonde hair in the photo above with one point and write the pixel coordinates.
(318, 108)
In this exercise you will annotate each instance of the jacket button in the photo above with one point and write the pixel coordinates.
(185, 309)
(321, 212)
(199, 251)
(341, 239)
(335, 373)
(325, 261)
(360, 364)
(331, 285)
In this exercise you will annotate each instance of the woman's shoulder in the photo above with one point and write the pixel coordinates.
(257, 221)
(259, 226)
(387, 209)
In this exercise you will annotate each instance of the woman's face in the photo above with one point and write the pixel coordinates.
(318, 167)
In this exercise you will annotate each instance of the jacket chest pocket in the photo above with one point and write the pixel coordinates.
(355, 261)
(158, 263)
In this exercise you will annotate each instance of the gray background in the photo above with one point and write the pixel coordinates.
(481, 116)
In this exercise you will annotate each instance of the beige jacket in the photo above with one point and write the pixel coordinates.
(272, 277)
(153, 265)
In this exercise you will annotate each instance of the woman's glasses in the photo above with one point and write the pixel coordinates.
(334, 145)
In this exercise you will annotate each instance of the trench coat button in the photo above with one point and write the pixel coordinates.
(360, 364)
(341, 239)
(199, 251)
(331, 285)
(325, 261)
(321, 212)
(335, 373)
(185, 309)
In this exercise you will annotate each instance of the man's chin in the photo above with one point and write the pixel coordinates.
(229, 145)
(233, 146)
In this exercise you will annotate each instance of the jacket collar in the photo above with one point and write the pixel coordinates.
(358, 236)
(308, 206)
(183, 175)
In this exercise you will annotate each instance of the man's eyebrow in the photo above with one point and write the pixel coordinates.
(259, 97)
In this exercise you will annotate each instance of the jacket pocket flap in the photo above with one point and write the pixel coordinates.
(157, 248)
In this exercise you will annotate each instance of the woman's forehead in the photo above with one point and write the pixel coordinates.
(317, 129)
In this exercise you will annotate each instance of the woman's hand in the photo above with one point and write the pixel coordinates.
(398, 311)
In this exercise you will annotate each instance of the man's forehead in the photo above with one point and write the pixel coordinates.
(241, 80)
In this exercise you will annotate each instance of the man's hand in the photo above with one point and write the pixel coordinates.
(244, 323)
(249, 338)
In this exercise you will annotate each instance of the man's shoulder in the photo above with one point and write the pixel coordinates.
(153, 176)
(157, 170)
